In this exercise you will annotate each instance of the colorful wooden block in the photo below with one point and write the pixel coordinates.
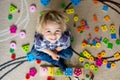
(30, 58)
(67, 19)
(75, 2)
(68, 72)
(13, 29)
(104, 28)
(26, 48)
(44, 2)
(112, 31)
(117, 55)
(105, 41)
(12, 9)
(95, 19)
(118, 42)
(50, 71)
(110, 45)
(86, 54)
(105, 8)
(81, 59)
(98, 44)
(92, 66)
(86, 65)
(113, 36)
(76, 18)
(70, 11)
(112, 27)
(107, 18)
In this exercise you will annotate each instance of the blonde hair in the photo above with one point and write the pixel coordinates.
(54, 16)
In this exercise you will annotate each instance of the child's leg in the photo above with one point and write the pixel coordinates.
(45, 57)
(66, 53)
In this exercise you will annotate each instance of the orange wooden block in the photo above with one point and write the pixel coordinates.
(99, 56)
(96, 29)
(82, 23)
(82, 27)
(95, 2)
(95, 18)
(79, 29)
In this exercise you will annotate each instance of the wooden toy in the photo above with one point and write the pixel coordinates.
(55, 71)
(104, 28)
(44, 2)
(75, 2)
(12, 9)
(70, 11)
(107, 18)
(26, 48)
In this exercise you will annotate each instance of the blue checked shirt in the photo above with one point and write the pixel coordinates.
(40, 43)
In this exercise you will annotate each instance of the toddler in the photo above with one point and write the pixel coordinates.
(52, 40)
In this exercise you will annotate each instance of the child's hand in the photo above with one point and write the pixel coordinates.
(55, 56)
(59, 48)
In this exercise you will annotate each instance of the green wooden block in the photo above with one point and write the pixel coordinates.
(105, 41)
(112, 31)
(72, 40)
(82, 55)
(110, 45)
(96, 69)
(26, 48)
(63, 5)
(12, 9)
(117, 42)
(12, 50)
(10, 17)
(86, 65)
(59, 72)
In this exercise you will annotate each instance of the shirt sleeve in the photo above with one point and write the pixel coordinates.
(39, 43)
(65, 40)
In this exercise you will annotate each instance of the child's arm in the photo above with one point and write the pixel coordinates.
(52, 54)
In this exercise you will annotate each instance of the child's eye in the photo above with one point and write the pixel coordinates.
(48, 31)
(57, 31)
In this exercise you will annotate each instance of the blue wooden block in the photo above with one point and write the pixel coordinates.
(108, 65)
(94, 42)
(44, 2)
(105, 8)
(68, 72)
(30, 57)
(75, 2)
(113, 36)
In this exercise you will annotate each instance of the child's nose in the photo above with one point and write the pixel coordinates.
(53, 35)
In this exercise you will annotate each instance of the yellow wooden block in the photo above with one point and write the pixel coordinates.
(92, 67)
(91, 59)
(105, 61)
(103, 53)
(113, 65)
(107, 18)
(84, 45)
(104, 28)
(76, 18)
(50, 71)
(86, 54)
(98, 45)
(117, 55)
(81, 59)
(112, 27)
(70, 11)
(67, 19)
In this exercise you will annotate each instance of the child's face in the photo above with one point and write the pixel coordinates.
(52, 31)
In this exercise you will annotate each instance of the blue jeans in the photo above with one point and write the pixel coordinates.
(64, 54)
